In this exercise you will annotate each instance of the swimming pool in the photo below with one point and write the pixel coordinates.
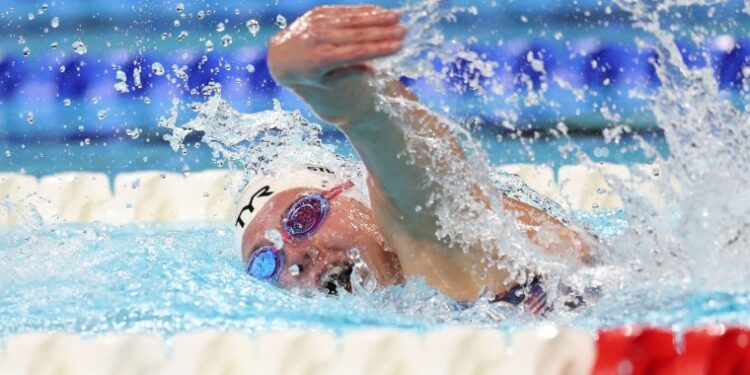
(108, 231)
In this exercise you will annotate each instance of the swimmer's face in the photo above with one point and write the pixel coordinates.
(313, 262)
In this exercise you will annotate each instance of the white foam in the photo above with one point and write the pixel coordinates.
(539, 177)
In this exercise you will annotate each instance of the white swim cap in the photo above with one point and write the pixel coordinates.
(262, 188)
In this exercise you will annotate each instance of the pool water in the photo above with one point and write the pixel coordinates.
(678, 266)
(167, 279)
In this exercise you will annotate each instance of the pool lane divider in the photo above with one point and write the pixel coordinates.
(546, 350)
(208, 196)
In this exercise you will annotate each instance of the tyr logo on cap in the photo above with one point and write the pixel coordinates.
(265, 191)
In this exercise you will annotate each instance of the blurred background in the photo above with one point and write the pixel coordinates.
(83, 83)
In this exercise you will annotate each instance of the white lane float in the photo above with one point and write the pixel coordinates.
(19, 199)
(208, 196)
(461, 350)
(73, 196)
(295, 352)
(211, 353)
(125, 354)
(379, 351)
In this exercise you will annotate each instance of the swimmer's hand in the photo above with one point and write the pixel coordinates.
(323, 57)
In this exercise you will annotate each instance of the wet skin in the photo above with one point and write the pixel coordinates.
(349, 224)
(324, 57)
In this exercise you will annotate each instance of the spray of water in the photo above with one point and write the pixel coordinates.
(699, 226)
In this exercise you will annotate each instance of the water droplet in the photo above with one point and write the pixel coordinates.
(146, 100)
(136, 183)
(209, 46)
(79, 47)
(226, 40)
(157, 69)
(8, 153)
(137, 76)
(275, 238)
(253, 26)
(120, 75)
(31, 16)
(55, 22)
(81, 128)
(133, 133)
(183, 34)
(176, 23)
(220, 27)
(30, 117)
(179, 72)
(200, 15)
(250, 68)
(66, 102)
(180, 7)
(53, 45)
(211, 88)
(102, 114)
(26, 51)
(121, 87)
(295, 269)
(280, 22)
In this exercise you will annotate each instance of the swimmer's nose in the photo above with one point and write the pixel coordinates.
(309, 265)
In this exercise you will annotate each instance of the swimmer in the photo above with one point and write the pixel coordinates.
(320, 216)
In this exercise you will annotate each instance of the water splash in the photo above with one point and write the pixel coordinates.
(256, 143)
(700, 227)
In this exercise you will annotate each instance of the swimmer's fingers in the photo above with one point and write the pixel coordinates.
(346, 19)
(357, 53)
(362, 35)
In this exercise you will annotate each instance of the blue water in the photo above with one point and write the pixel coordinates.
(165, 279)
(92, 279)
(113, 156)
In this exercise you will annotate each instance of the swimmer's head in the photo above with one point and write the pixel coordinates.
(298, 230)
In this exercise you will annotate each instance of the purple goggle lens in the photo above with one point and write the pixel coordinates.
(306, 215)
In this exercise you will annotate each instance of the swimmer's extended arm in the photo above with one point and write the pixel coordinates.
(323, 58)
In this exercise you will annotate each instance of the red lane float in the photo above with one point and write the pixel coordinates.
(714, 350)
(634, 350)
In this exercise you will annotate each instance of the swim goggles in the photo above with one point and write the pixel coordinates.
(302, 219)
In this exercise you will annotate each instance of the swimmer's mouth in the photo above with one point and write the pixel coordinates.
(336, 279)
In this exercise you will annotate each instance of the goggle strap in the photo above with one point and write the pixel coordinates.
(337, 190)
